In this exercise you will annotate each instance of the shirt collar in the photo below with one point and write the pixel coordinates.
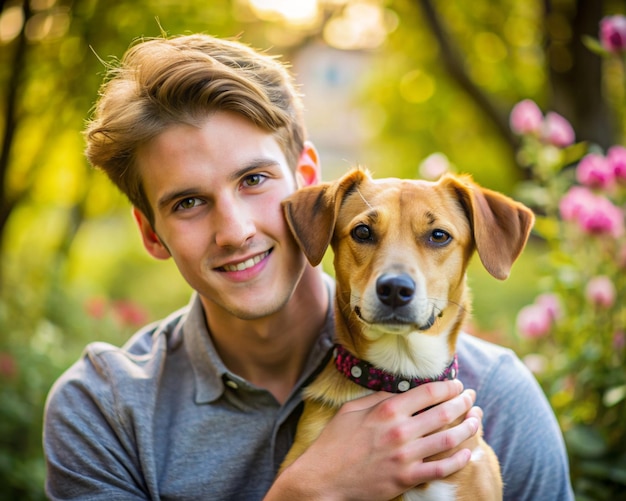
(209, 369)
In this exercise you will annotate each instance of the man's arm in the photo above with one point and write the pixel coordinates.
(375, 447)
(521, 428)
(86, 455)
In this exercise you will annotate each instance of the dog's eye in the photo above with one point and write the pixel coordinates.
(440, 237)
(362, 232)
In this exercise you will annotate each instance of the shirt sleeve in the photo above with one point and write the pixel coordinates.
(522, 429)
(89, 452)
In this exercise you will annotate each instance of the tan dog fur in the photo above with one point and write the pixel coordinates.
(405, 218)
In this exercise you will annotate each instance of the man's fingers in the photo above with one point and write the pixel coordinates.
(433, 470)
(444, 414)
(445, 440)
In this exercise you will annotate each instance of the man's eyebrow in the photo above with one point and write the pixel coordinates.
(253, 165)
(168, 198)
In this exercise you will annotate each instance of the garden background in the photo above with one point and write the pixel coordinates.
(405, 87)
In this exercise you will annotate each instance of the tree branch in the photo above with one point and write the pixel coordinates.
(454, 65)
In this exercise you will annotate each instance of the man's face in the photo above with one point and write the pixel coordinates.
(216, 193)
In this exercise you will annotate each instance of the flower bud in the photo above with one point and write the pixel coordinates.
(613, 33)
(600, 291)
(595, 171)
(534, 321)
(526, 118)
(616, 158)
(557, 130)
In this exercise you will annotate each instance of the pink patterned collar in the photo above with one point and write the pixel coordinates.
(365, 374)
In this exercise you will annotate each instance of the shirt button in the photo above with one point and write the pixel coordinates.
(356, 371)
(403, 385)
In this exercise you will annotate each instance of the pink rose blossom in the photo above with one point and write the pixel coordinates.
(557, 130)
(616, 158)
(575, 201)
(602, 217)
(613, 33)
(552, 304)
(534, 321)
(526, 118)
(595, 171)
(594, 214)
(601, 291)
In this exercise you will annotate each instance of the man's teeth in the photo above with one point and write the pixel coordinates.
(246, 264)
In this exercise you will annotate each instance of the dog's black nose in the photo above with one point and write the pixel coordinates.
(395, 290)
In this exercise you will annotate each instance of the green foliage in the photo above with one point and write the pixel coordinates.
(576, 329)
(44, 330)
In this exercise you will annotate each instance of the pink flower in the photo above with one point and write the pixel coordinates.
(129, 313)
(594, 214)
(595, 171)
(552, 304)
(600, 291)
(613, 33)
(557, 130)
(574, 202)
(602, 217)
(526, 118)
(534, 321)
(616, 158)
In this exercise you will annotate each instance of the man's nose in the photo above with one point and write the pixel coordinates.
(233, 224)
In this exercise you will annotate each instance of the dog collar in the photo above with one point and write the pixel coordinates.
(365, 374)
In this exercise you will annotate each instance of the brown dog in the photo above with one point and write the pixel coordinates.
(401, 250)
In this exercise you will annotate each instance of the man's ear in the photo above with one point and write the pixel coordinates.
(151, 240)
(308, 170)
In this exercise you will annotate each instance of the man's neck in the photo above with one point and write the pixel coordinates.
(271, 352)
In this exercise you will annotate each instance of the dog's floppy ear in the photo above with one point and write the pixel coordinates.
(311, 213)
(500, 225)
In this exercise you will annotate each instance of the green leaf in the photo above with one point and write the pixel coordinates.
(585, 442)
(594, 46)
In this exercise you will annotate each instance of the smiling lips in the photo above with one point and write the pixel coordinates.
(248, 263)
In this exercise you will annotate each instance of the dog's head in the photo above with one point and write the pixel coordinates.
(402, 246)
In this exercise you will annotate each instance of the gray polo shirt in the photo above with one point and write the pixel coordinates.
(163, 418)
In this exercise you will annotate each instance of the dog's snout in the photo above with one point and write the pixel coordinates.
(395, 290)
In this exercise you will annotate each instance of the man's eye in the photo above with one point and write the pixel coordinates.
(187, 203)
(253, 180)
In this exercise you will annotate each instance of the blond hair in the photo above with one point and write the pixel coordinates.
(164, 81)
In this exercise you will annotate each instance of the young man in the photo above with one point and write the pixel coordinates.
(206, 138)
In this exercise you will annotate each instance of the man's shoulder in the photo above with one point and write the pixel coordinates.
(104, 365)
(480, 361)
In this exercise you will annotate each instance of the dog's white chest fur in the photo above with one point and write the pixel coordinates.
(435, 491)
(414, 355)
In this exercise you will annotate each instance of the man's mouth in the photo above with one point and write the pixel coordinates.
(244, 265)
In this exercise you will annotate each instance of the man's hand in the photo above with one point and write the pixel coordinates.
(375, 447)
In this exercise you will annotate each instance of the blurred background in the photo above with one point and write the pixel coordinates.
(403, 87)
